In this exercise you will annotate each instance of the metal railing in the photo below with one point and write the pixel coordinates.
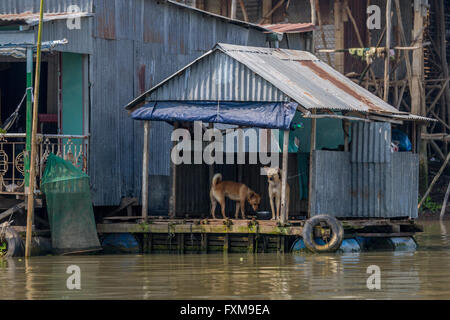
(73, 148)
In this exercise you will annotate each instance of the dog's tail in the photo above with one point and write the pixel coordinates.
(216, 179)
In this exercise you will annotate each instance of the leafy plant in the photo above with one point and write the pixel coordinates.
(3, 249)
(430, 205)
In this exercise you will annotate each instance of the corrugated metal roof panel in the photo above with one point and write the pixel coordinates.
(298, 75)
(30, 18)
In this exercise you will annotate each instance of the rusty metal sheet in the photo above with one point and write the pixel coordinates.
(30, 18)
(290, 27)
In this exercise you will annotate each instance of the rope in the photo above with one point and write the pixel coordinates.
(13, 117)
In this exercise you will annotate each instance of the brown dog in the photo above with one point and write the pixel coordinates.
(235, 191)
(274, 179)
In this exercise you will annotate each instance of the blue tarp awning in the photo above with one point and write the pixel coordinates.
(271, 115)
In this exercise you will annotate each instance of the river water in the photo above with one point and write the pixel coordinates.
(423, 274)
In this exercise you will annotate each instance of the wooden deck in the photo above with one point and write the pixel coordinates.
(235, 236)
(230, 235)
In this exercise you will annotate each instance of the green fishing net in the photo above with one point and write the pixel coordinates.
(69, 207)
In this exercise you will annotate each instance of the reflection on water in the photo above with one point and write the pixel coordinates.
(424, 274)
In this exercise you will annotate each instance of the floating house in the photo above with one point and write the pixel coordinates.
(355, 177)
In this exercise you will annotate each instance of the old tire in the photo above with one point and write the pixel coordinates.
(14, 243)
(337, 233)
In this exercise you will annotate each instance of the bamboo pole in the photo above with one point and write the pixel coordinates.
(313, 11)
(388, 49)
(233, 9)
(284, 210)
(436, 177)
(31, 184)
(29, 116)
(145, 158)
(444, 204)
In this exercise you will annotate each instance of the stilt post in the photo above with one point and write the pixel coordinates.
(145, 160)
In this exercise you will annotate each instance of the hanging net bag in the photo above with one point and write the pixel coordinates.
(69, 207)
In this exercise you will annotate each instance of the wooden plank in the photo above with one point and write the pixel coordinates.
(183, 228)
(12, 210)
(339, 36)
(384, 235)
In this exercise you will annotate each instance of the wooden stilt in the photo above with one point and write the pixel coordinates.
(284, 210)
(204, 243)
(173, 193)
(145, 162)
(312, 148)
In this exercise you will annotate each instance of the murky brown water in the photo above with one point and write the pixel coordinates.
(424, 274)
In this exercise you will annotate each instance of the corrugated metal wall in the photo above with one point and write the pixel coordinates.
(331, 183)
(369, 181)
(371, 170)
(136, 45)
(371, 142)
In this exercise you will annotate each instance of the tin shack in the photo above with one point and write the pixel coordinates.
(335, 149)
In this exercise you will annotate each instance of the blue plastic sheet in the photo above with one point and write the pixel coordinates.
(272, 115)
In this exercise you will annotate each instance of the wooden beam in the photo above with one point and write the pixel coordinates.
(244, 10)
(436, 136)
(312, 4)
(145, 162)
(233, 9)
(436, 177)
(11, 210)
(339, 36)
(269, 14)
(284, 209)
(312, 148)
(322, 33)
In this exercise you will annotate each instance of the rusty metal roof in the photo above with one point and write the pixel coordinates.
(30, 18)
(299, 75)
(290, 27)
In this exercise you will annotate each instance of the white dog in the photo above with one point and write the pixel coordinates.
(274, 179)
